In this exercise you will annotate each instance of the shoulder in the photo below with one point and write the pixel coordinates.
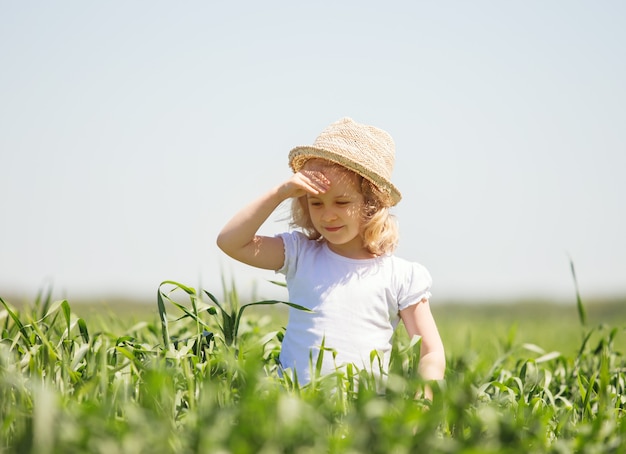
(296, 240)
(408, 269)
(411, 280)
(294, 235)
(296, 246)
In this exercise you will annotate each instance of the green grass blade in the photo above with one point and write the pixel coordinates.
(586, 393)
(320, 358)
(214, 299)
(279, 283)
(17, 322)
(228, 324)
(262, 303)
(184, 288)
(67, 313)
(43, 302)
(163, 317)
(84, 333)
(582, 315)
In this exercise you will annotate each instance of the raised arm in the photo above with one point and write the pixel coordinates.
(239, 237)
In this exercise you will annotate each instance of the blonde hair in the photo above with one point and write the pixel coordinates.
(379, 228)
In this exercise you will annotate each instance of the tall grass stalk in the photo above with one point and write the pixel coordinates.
(202, 377)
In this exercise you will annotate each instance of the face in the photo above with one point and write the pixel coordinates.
(337, 213)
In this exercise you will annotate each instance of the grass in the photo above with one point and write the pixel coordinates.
(181, 378)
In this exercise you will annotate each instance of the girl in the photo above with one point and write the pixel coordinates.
(340, 266)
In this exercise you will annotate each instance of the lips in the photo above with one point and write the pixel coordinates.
(332, 229)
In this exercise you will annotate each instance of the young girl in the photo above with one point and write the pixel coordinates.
(340, 266)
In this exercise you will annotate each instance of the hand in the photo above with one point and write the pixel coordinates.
(304, 182)
(425, 394)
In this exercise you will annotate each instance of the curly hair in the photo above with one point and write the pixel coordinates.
(379, 228)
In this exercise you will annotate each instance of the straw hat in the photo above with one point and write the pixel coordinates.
(364, 149)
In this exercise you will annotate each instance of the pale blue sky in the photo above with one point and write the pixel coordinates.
(131, 131)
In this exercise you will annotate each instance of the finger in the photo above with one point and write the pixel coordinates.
(317, 179)
(308, 185)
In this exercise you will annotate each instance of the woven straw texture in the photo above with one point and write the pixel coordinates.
(366, 150)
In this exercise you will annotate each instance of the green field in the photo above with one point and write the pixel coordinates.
(189, 374)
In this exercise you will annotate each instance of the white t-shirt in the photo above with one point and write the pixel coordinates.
(355, 304)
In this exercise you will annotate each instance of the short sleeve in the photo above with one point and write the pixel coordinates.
(416, 286)
(291, 242)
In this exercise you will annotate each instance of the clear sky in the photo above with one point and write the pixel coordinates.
(131, 131)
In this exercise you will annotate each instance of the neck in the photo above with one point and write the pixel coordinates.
(351, 252)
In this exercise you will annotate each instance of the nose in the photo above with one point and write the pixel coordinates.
(328, 215)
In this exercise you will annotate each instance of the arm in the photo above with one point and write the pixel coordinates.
(239, 237)
(419, 320)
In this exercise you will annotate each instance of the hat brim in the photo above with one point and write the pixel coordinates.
(298, 156)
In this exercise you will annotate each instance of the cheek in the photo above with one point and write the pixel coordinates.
(314, 215)
(354, 214)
